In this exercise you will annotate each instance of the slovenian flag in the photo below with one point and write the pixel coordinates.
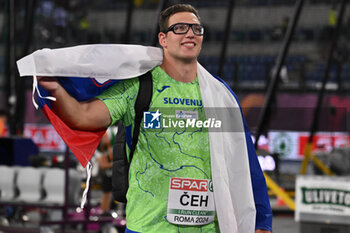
(82, 143)
(74, 67)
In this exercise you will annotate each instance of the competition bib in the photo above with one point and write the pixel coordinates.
(190, 201)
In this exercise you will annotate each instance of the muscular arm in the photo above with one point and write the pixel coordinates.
(88, 115)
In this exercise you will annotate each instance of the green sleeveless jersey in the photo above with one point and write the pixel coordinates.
(164, 153)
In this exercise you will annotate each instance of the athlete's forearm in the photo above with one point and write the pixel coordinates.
(67, 108)
(88, 115)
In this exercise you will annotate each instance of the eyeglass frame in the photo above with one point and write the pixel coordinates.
(190, 25)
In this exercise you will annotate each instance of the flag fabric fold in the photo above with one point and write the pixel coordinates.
(99, 61)
(229, 157)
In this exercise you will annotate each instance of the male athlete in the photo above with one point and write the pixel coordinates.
(171, 169)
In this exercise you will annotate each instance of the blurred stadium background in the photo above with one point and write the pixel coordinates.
(306, 102)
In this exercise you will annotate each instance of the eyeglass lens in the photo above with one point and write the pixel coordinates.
(183, 28)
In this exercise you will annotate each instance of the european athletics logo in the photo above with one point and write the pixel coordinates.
(151, 120)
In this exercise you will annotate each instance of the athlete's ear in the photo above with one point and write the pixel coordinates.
(162, 39)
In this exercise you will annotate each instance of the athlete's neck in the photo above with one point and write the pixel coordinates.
(180, 71)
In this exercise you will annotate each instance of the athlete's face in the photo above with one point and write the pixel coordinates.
(185, 47)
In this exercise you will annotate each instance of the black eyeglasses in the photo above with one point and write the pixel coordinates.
(182, 28)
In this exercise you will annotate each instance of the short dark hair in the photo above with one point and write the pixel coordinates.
(165, 14)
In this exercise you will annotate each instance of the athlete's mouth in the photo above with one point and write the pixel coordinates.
(189, 44)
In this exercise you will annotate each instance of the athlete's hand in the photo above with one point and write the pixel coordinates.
(48, 83)
(262, 231)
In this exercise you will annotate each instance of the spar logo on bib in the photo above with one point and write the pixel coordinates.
(190, 201)
(190, 184)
